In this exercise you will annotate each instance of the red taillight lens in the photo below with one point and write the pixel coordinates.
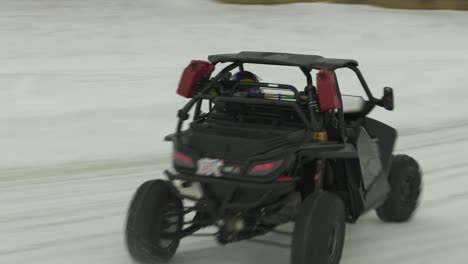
(265, 168)
(284, 178)
(183, 160)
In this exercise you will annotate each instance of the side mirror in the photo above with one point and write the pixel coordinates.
(387, 99)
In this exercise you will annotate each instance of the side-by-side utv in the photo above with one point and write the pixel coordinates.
(256, 155)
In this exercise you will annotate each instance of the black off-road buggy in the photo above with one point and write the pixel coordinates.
(258, 155)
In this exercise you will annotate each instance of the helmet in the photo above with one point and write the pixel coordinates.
(244, 76)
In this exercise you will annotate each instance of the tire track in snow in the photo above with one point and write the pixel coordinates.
(460, 196)
(51, 243)
(446, 134)
(416, 131)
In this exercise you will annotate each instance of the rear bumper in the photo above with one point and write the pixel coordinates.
(221, 194)
(222, 181)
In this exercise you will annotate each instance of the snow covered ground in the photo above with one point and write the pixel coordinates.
(87, 91)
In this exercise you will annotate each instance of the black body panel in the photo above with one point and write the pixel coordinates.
(329, 150)
(236, 144)
(240, 146)
(356, 200)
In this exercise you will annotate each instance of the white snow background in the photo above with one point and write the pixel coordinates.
(87, 91)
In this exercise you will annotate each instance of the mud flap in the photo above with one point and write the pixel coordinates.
(374, 178)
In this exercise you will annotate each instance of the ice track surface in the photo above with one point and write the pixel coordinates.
(87, 90)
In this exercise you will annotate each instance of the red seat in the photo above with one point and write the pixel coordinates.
(327, 91)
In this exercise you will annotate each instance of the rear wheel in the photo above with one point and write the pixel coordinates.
(405, 180)
(319, 230)
(153, 210)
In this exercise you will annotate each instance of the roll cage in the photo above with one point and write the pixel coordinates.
(306, 63)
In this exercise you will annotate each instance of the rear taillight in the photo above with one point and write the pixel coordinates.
(183, 160)
(284, 178)
(265, 168)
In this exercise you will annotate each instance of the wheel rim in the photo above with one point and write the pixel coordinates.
(169, 224)
(333, 242)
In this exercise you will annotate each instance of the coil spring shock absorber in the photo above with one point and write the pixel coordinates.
(313, 103)
(314, 108)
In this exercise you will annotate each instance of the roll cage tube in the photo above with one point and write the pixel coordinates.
(372, 100)
(293, 105)
(183, 112)
(268, 85)
(341, 121)
(313, 124)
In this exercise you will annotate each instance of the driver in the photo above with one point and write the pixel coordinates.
(246, 77)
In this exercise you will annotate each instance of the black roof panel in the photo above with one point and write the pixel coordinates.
(305, 61)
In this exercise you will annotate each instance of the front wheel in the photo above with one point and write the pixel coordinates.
(154, 210)
(319, 230)
(405, 180)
